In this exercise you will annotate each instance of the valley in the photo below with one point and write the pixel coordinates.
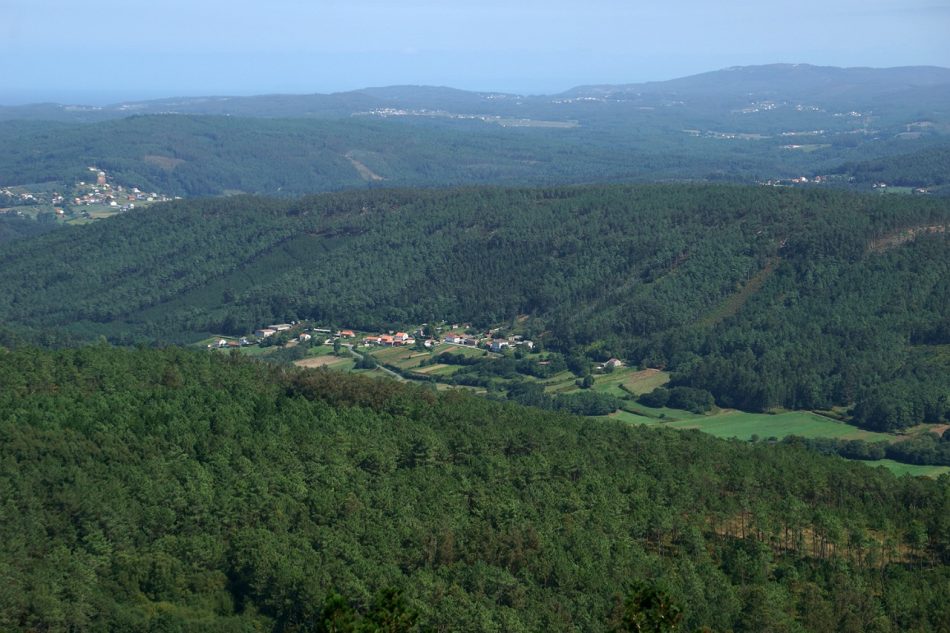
(667, 356)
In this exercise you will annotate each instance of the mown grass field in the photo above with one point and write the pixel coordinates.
(344, 362)
(563, 382)
(910, 469)
(739, 424)
(411, 359)
(626, 380)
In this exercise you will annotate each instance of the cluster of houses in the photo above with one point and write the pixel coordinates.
(398, 339)
(87, 194)
(304, 336)
(102, 193)
(390, 340)
(223, 343)
(25, 197)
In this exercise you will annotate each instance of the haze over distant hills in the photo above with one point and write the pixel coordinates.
(748, 124)
(827, 86)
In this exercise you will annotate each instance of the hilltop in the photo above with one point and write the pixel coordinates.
(755, 124)
(824, 85)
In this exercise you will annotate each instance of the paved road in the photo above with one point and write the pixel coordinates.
(353, 351)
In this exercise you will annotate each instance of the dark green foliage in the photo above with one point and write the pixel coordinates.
(148, 490)
(657, 398)
(647, 610)
(587, 403)
(924, 168)
(690, 399)
(924, 448)
(685, 398)
(13, 227)
(762, 297)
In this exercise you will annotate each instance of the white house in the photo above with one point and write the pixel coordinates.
(498, 344)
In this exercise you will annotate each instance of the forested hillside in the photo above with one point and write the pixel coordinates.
(199, 156)
(763, 296)
(925, 168)
(737, 125)
(158, 490)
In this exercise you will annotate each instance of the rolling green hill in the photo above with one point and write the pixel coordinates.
(737, 125)
(765, 297)
(203, 155)
(156, 490)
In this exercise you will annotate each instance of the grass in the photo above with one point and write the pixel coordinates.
(910, 469)
(621, 382)
(633, 418)
(562, 382)
(899, 190)
(466, 351)
(662, 414)
(401, 357)
(742, 425)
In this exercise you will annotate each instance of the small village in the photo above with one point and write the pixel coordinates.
(445, 354)
(86, 200)
(291, 334)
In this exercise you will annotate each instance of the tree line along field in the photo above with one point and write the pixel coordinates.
(624, 385)
(156, 489)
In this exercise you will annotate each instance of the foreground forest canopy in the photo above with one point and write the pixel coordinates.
(762, 296)
(166, 490)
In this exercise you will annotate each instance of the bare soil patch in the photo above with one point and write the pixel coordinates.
(319, 361)
(163, 162)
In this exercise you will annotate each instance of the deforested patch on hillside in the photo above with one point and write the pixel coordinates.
(168, 163)
(903, 236)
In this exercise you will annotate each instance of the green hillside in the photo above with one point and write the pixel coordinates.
(157, 490)
(763, 296)
(195, 155)
(924, 168)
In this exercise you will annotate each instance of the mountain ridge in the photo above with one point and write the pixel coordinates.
(716, 82)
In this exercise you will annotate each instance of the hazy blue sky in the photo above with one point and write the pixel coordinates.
(106, 50)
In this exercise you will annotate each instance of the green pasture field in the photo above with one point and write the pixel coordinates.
(401, 357)
(563, 382)
(437, 370)
(633, 418)
(739, 424)
(464, 350)
(729, 423)
(662, 414)
(910, 469)
(626, 380)
(900, 190)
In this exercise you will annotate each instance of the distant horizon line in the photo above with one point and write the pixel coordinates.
(111, 98)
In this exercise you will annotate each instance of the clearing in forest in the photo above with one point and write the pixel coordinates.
(733, 303)
(365, 172)
(322, 361)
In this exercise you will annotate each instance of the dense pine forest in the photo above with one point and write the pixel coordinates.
(166, 490)
(762, 296)
(725, 270)
(207, 155)
(925, 168)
